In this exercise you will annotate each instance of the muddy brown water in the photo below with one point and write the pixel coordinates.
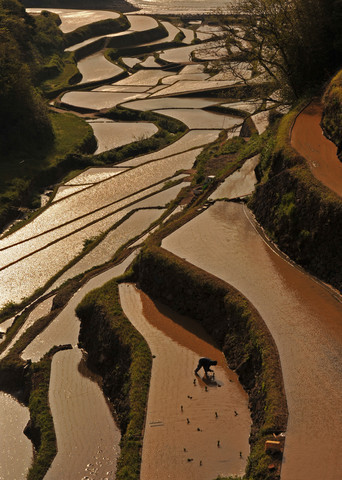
(308, 139)
(172, 447)
(304, 318)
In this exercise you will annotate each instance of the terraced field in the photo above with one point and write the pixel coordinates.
(99, 211)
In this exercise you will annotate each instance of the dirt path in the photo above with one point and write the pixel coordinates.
(173, 448)
(308, 139)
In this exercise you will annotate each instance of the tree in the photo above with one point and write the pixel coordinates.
(288, 40)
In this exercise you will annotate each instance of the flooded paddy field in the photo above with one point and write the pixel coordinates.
(16, 450)
(87, 437)
(74, 18)
(97, 67)
(114, 134)
(303, 317)
(121, 202)
(176, 395)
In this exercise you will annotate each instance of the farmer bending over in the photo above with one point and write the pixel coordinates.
(206, 363)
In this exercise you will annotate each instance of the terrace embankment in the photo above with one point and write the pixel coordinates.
(237, 329)
(297, 211)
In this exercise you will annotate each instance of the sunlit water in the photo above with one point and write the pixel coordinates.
(115, 134)
(87, 437)
(180, 6)
(65, 328)
(16, 452)
(96, 67)
(72, 19)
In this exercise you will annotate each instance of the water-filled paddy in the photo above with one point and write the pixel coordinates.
(97, 100)
(93, 39)
(66, 190)
(72, 19)
(96, 67)
(150, 62)
(87, 437)
(139, 23)
(129, 229)
(240, 183)
(179, 6)
(114, 88)
(189, 35)
(177, 342)
(65, 328)
(303, 317)
(181, 77)
(16, 451)
(114, 134)
(43, 308)
(94, 175)
(196, 118)
(190, 86)
(39, 258)
(192, 139)
(131, 61)
(149, 78)
(167, 102)
(172, 32)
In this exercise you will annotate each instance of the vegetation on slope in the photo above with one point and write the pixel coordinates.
(298, 212)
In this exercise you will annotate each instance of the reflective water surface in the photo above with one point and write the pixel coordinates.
(173, 447)
(16, 451)
(87, 437)
(304, 319)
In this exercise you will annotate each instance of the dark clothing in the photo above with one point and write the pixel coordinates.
(206, 363)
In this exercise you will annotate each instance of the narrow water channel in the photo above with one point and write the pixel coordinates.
(304, 318)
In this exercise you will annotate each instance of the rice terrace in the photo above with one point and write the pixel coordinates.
(170, 247)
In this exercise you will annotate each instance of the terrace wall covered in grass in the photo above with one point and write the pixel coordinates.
(298, 212)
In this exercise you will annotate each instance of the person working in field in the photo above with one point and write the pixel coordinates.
(206, 363)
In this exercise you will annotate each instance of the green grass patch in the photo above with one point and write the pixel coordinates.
(66, 75)
(25, 173)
